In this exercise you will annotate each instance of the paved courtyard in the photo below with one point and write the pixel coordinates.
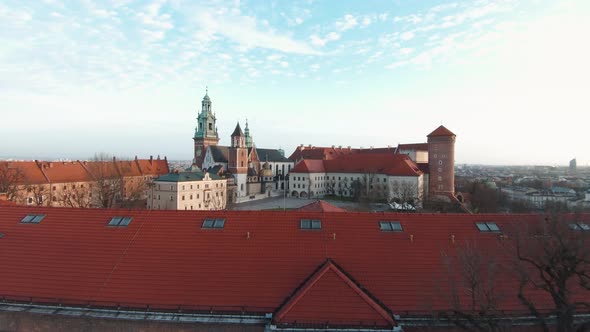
(294, 203)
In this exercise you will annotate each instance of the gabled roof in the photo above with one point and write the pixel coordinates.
(320, 206)
(329, 297)
(441, 131)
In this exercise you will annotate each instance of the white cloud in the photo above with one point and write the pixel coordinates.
(408, 35)
(318, 41)
(274, 57)
(244, 30)
(284, 64)
(348, 22)
(366, 21)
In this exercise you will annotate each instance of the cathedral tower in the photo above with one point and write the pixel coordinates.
(441, 162)
(206, 130)
(238, 160)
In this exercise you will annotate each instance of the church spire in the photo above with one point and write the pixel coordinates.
(249, 140)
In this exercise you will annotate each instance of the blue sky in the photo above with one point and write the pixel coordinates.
(510, 78)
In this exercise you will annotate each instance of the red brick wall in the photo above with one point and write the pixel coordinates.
(441, 160)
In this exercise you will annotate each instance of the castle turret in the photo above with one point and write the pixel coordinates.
(441, 162)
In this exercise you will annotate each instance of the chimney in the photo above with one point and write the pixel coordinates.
(50, 165)
(135, 158)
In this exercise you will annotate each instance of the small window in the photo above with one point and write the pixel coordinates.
(213, 223)
(390, 226)
(580, 227)
(487, 227)
(32, 219)
(120, 221)
(310, 224)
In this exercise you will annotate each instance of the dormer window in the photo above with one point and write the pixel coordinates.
(213, 223)
(32, 219)
(390, 226)
(487, 227)
(120, 221)
(314, 224)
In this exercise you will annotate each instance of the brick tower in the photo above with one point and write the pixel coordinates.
(206, 131)
(441, 162)
(238, 161)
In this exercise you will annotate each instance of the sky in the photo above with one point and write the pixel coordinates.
(510, 78)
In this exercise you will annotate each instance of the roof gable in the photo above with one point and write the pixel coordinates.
(320, 206)
(329, 297)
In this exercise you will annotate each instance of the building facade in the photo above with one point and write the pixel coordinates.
(187, 191)
(83, 184)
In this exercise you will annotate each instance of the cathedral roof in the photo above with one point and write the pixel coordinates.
(220, 153)
(272, 155)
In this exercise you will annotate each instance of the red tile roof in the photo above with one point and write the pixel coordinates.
(60, 172)
(320, 206)
(441, 131)
(31, 173)
(165, 259)
(378, 163)
(309, 166)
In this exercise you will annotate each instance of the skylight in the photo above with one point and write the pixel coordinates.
(390, 226)
(213, 223)
(580, 227)
(310, 224)
(487, 226)
(32, 219)
(120, 221)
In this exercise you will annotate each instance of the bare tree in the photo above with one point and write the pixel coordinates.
(473, 291)
(10, 180)
(547, 261)
(108, 182)
(76, 195)
(553, 259)
(38, 194)
(404, 192)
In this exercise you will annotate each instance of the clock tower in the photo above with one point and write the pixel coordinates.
(205, 132)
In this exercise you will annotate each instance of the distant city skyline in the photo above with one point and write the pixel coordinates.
(509, 78)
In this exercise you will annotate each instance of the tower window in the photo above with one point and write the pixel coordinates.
(210, 126)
